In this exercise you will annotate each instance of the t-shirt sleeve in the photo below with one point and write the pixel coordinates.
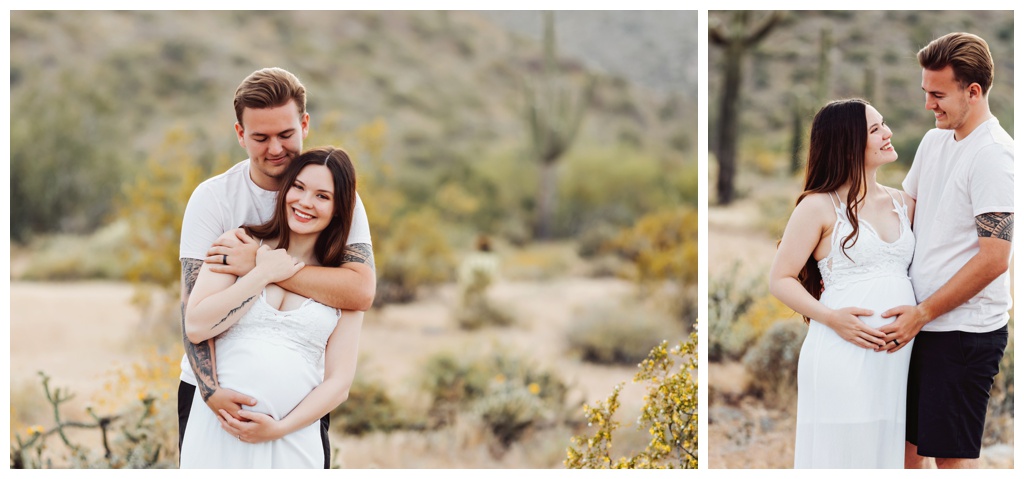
(991, 186)
(202, 224)
(914, 175)
(360, 230)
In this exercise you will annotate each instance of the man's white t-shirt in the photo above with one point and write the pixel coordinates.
(954, 181)
(227, 201)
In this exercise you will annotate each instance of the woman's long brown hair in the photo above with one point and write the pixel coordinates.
(835, 157)
(329, 248)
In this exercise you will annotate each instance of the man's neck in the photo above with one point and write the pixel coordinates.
(264, 182)
(974, 121)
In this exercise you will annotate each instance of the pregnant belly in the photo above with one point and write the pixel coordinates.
(877, 295)
(275, 375)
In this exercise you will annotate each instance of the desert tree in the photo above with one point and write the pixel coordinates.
(738, 35)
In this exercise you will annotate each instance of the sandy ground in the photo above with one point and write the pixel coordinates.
(78, 332)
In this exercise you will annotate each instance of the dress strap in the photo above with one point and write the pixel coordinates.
(840, 214)
(900, 207)
(835, 201)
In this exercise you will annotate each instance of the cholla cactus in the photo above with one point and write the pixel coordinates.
(476, 274)
(669, 414)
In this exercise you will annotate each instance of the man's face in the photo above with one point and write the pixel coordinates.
(273, 138)
(944, 97)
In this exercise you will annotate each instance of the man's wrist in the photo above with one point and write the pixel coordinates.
(924, 314)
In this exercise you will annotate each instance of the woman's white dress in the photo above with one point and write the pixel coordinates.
(851, 401)
(277, 358)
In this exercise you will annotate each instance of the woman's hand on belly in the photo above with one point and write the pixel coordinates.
(254, 427)
(847, 324)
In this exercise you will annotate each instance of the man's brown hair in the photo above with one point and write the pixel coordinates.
(269, 88)
(967, 54)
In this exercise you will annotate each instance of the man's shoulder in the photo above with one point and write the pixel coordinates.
(226, 180)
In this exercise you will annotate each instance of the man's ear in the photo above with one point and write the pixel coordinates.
(974, 91)
(240, 132)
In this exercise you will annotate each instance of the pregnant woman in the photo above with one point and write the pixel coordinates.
(270, 341)
(842, 261)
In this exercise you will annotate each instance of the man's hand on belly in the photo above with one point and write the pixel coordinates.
(229, 400)
(909, 321)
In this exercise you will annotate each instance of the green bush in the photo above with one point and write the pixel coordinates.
(608, 333)
(65, 257)
(369, 408)
(507, 392)
(729, 298)
(772, 362)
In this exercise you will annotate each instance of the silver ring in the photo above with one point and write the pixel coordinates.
(225, 259)
(239, 437)
(896, 341)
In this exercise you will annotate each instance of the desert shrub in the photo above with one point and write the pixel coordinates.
(616, 186)
(508, 410)
(609, 333)
(663, 246)
(596, 239)
(729, 298)
(999, 419)
(135, 416)
(669, 413)
(539, 261)
(153, 206)
(508, 393)
(415, 254)
(73, 257)
(369, 408)
(772, 361)
(476, 309)
(66, 182)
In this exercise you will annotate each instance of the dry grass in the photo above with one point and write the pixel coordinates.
(80, 331)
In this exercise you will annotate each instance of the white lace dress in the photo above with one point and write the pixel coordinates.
(277, 358)
(851, 401)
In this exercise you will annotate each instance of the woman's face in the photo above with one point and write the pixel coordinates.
(879, 150)
(310, 200)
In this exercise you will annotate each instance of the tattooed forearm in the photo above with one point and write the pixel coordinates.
(200, 356)
(995, 225)
(233, 311)
(359, 253)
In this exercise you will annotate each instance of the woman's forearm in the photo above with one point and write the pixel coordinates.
(789, 290)
(217, 312)
(320, 401)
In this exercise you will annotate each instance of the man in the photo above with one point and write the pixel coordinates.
(962, 178)
(270, 109)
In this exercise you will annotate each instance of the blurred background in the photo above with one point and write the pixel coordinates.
(769, 72)
(530, 180)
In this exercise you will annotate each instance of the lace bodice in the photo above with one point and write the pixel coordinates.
(304, 329)
(870, 257)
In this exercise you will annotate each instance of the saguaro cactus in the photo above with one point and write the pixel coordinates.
(737, 37)
(554, 111)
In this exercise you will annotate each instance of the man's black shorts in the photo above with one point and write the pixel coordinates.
(951, 374)
(187, 391)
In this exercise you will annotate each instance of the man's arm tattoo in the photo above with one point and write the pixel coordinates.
(233, 311)
(359, 253)
(199, 355)
(995, 225)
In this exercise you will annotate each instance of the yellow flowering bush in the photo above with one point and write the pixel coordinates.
(669, 414)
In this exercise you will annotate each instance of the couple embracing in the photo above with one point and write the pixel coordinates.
(277, 267)
(906, 292)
